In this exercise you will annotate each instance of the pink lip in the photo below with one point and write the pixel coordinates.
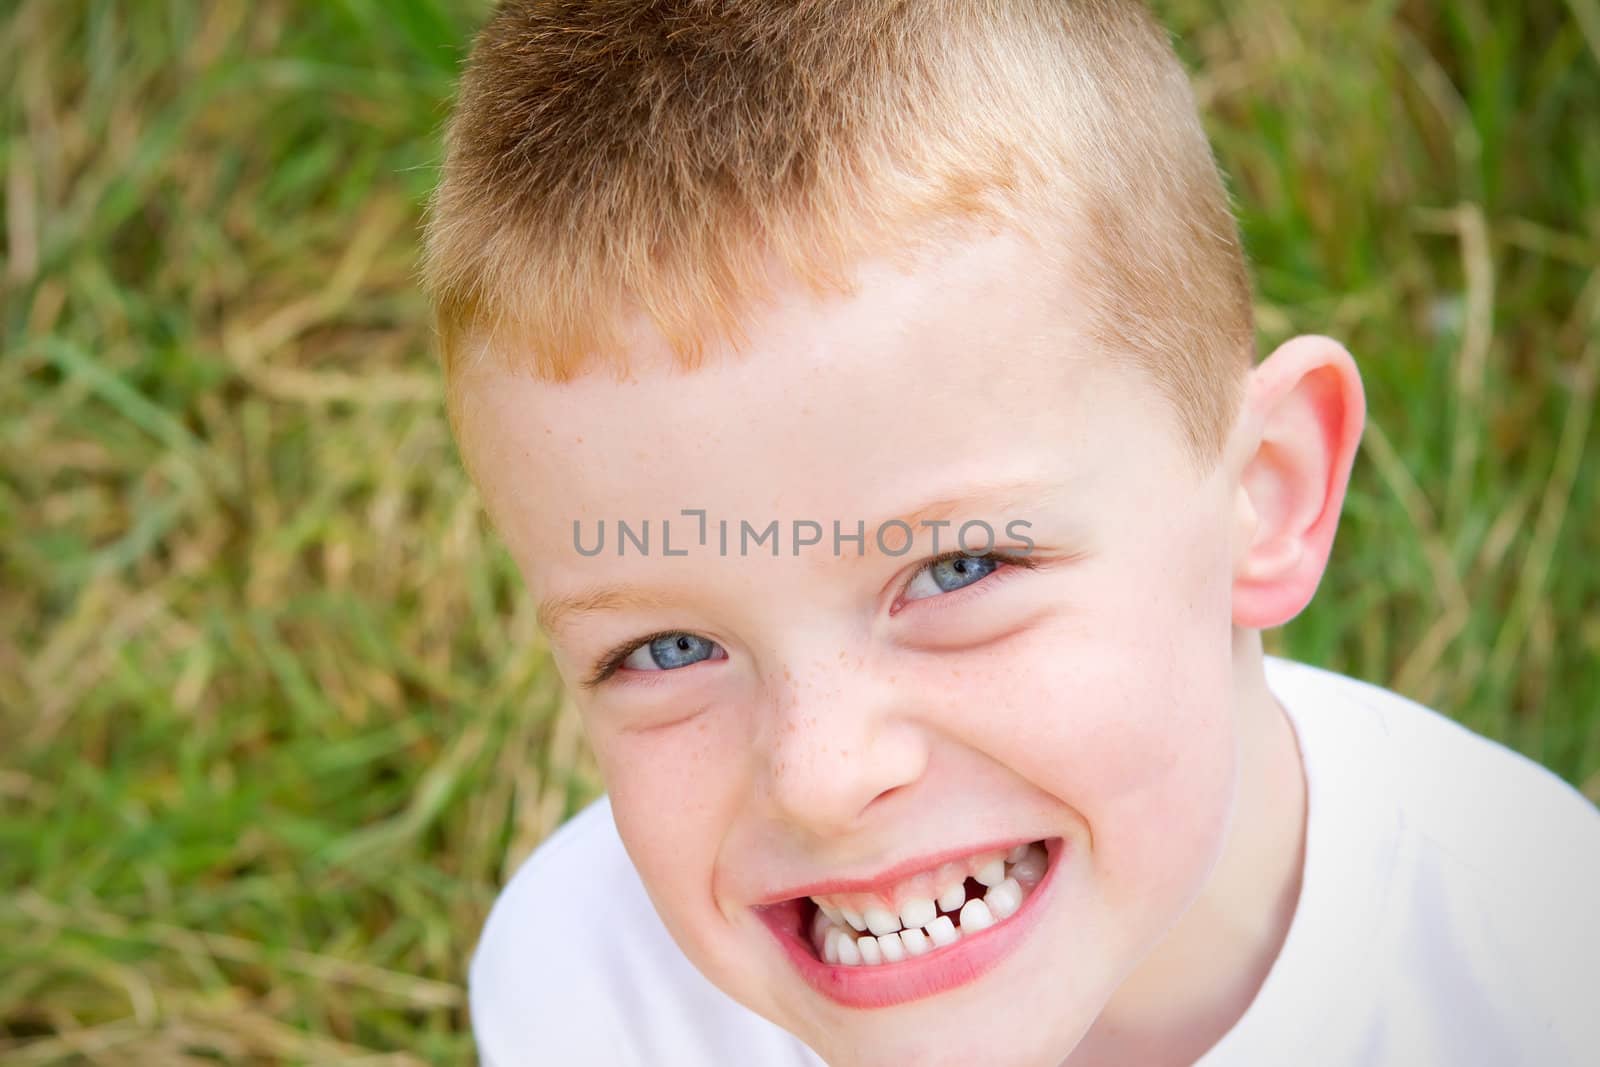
(884, 985)
(886, 879)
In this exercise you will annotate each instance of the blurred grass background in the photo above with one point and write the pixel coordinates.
(275, 719)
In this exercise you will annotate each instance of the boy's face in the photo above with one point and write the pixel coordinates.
(870, 729)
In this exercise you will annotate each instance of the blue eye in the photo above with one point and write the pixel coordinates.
(669, 652)
(666, 651)
(676, 649)
(949, 574)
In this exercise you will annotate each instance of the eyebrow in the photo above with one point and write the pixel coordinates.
(556, 612)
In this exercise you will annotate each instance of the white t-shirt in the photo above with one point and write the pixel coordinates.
(1449, 915)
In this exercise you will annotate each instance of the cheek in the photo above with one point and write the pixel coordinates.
(1137, 739)
(1122, 709)
(672, 794)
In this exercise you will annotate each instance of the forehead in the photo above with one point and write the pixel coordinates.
(967, 369)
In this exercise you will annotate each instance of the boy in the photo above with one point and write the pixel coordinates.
(867, 393)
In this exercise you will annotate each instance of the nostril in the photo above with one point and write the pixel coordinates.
(892, 791)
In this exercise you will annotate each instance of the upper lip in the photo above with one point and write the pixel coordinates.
(890, 876)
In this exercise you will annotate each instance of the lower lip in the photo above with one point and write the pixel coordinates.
(886, 984)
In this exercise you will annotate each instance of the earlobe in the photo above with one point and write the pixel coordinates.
(1306, 398)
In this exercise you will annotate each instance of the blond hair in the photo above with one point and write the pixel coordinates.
(608, 156)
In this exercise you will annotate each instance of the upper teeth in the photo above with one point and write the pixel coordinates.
(918, 911)
(880, 921)
(991, 873)
(875, 935)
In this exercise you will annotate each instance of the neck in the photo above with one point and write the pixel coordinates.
(1201, 977)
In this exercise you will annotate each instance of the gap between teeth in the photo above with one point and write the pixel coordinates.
(876, 936)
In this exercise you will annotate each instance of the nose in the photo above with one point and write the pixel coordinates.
(839, 739)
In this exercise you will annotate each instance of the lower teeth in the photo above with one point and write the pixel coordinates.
(836, 943)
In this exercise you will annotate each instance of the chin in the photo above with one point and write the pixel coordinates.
(1020, 991)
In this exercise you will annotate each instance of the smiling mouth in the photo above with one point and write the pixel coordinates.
(868, 945)
(922, 914)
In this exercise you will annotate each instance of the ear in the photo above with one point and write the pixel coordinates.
(1299, 429)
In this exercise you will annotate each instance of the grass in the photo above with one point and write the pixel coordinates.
(275, 719)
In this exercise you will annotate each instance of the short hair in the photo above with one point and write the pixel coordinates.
(608, 157)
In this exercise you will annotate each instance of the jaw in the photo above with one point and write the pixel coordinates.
(1236, 925)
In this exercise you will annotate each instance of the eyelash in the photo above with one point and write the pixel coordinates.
(612, 661)
(1006, 563)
